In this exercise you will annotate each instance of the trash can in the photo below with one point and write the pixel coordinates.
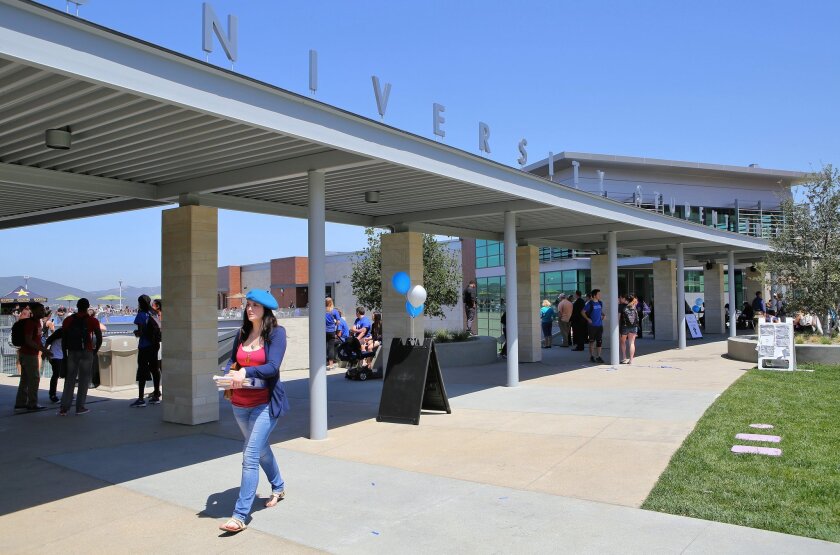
(106, 377)
(123, 360)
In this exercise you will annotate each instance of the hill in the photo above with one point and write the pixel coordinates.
(53, 290)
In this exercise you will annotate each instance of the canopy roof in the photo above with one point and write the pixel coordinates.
(153, 127)
(21, 295)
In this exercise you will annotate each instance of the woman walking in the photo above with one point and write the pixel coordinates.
(258, 351)
(628, 327)
(547, 316)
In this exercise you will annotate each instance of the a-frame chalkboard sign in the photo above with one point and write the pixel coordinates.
(413, 382)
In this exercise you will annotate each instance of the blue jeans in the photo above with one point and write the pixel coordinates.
(256, 424)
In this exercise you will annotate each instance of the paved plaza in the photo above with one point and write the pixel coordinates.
(559, 464)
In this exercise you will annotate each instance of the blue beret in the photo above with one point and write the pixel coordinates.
(262, 297)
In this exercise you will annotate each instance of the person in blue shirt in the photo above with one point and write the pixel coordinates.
(593, 313)
(547, 316)
(148, 330)
(361, 326)
(758, 305)
(343, 327)
(333, 318)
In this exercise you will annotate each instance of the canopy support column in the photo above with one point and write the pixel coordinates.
(612, 298)
(511, 304)
(317, 323)
(730, 268)
(680, 296)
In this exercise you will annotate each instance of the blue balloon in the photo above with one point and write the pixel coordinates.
(695, 308)
(401, 282)
(698, 301)
(414, 311)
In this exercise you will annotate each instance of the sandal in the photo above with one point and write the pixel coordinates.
(233, 525)
(275, 498)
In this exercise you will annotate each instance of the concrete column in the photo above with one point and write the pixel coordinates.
(665, 299)
(528, 303)
(680, 296)
(511, 301)
(401, 252)
(714, 298)
(730, 270)
(600, 274)
(317, 326)
(189, 243)
(611, 302)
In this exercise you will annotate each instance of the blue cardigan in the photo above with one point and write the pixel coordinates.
(270, 371)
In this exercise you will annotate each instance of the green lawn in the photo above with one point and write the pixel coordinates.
(797, 493)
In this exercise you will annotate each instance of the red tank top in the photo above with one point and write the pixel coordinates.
(247, 398)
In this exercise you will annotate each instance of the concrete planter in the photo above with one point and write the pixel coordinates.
(743, 348)
(476, 350)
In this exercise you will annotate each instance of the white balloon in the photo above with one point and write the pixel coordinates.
(416, 295)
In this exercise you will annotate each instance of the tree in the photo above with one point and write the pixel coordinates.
(441, 274)
(806, 251)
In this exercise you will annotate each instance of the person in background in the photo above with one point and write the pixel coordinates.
(343, 327)
(503, 321)
(758, 305)
(333, 318)
(578, 322)
(56, 362)
(361, 326)
(157, 306)
(470, 304)
(547, 316)
(258, 351)
(27, 393)
(593, 313)
(79, 350)
(628, 327)
(148, 332)
(781, 307)
(374, 339)
(564, 319)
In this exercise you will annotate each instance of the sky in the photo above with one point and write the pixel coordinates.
(716, 81)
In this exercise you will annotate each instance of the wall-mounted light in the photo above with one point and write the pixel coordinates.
(371, 197)
(753, 268)
(58, 138)
(709, 264)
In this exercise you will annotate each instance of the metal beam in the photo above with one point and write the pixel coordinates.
(575, 230)
(653, 241)
(277, 209)
(96, 208)
(556, 243)
(265, 173)
(488, 209)
(63, 181)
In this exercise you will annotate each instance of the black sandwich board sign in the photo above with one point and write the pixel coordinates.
(412, 383)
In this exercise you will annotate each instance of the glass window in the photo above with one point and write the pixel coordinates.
(490, 305)
(489, 254)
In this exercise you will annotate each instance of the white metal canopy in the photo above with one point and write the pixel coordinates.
(153, 127)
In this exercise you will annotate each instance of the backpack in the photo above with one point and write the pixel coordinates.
(151, 330)
(629, 317)
(19, 333)
(76, 336)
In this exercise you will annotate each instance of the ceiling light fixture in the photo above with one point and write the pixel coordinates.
(58, 138)
(371, 197)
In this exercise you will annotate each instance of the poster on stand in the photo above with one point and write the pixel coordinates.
(776, 348)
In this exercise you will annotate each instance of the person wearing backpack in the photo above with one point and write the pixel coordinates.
(148, 330)
(593, 313)
(628, 326)
(57, 363)
(77, 343)
(26, 335)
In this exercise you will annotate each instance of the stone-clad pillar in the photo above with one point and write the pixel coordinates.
(665, 300)
(401, 252)
(754, 281)
(600, 275)
(528, 303)
(189, 276)
(713, 298)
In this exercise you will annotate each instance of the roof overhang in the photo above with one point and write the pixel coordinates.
(153, 127)
(564, 160)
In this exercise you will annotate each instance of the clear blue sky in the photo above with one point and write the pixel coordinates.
(716, 81)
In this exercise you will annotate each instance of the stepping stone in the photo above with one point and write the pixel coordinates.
(758, 437)
(753, 450)
(762, 426)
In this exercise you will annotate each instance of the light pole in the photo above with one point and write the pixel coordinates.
(120, 295)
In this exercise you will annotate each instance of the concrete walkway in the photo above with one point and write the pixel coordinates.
(559, 464)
